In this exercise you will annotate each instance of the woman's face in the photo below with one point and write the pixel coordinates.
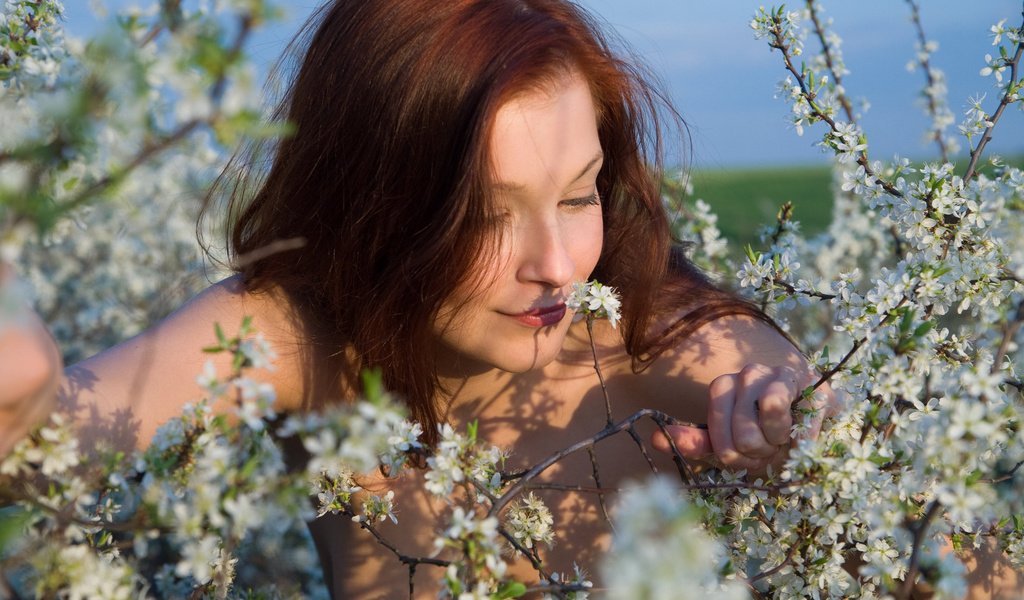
(545, 156)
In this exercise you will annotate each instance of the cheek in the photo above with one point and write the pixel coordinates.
(589, 243)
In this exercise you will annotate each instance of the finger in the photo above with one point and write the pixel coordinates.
(722, 394)
(746, 423)
(692, 442)
(776, 417)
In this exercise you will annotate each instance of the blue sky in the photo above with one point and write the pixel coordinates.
(723, 80)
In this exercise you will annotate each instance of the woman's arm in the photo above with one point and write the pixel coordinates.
(122, 395)
(741, 377)
(30, 371)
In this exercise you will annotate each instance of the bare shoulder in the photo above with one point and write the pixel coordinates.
(689, 363)
(726, 345)
(123, 394)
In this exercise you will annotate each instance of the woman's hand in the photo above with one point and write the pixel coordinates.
(30, 367)
(750, 418)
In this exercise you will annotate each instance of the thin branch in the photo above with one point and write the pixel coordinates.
(686, 473)
(597, 368)
(830, 61)
(785, 561)
(562, 588)
(404, 559)
(1010, 330)
(275, 247)
(1003, 103)
(1005, 476)
(779, 43)
(572, 449)
(567, 487)
(915, 554)
(933, 108)
(795, 292)
(596, 474)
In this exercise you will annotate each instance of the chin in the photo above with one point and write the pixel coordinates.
(523, 357)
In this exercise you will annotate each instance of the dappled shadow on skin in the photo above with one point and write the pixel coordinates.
(95, 427)
(537, 415)
(583, 532)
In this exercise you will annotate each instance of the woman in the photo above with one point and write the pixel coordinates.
(456, 166)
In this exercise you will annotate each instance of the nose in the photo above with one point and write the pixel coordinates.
(544, 256)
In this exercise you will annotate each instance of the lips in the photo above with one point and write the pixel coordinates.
(543, 316)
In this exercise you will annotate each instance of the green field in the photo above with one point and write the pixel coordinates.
(747, 199)
(744, 200)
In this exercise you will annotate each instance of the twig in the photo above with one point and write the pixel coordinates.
(915, 554)
(826, 51)
(685, 471)
(1005, 476)
(785, 561)
(404, 559)
(795, 292)
(1010, 330)
(933, 108)
(562, 588)
(597, 368)
(587, 442)
(596, 474)
(780, 44)
(567, 487)
(1003, 103)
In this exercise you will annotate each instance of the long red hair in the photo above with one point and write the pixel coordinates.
(386, 174)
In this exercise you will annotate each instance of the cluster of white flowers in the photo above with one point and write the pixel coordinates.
(919, 280)
(593, 299)
(345, 442)
(529, 521)
(659, 549)
(479, 576)
(119, 247)
(188, 502)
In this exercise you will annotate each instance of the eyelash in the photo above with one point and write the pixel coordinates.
(591, 200)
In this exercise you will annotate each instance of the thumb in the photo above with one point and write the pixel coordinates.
(692, 442)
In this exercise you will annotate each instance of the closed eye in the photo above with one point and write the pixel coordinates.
(590, 200)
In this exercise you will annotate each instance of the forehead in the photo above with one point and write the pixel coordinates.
(542, 138)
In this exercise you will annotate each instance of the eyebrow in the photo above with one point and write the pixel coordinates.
(504, 186)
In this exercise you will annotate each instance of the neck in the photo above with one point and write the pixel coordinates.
(469, 389)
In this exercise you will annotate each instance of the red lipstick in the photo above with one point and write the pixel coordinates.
(543, 316)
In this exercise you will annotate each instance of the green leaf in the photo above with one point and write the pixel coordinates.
(13, 520)
(373, 384)
(750, 254)
(220, 335)
(511, 589)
